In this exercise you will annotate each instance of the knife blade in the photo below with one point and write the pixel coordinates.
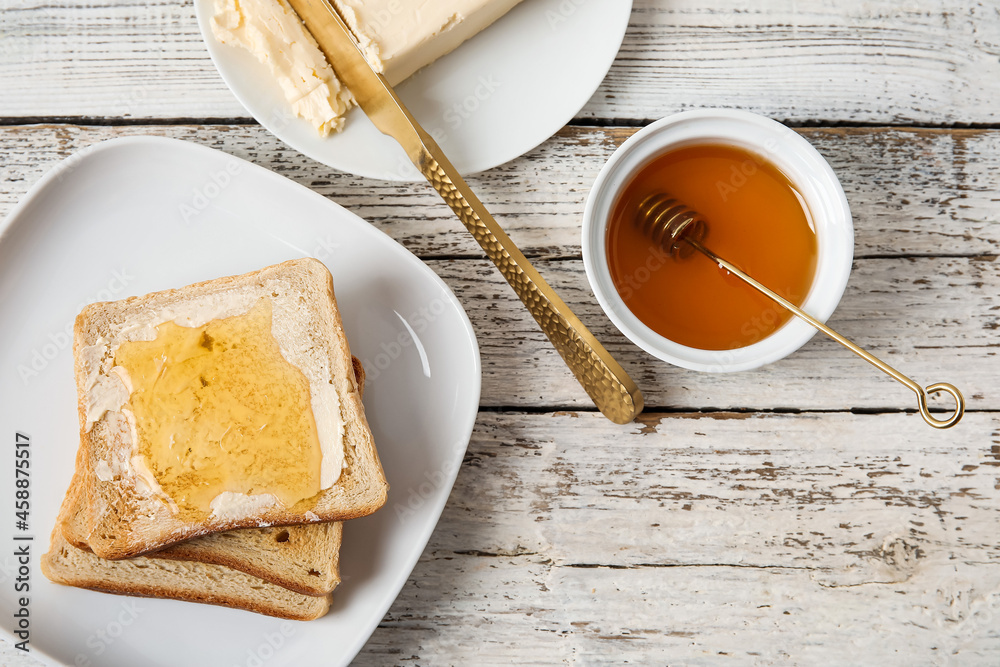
(605, 381)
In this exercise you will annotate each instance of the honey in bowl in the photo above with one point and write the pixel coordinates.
(755, 218)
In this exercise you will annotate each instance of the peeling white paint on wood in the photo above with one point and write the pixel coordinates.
(710, 539)
(912, 191)
(837, 494)
(932, 318)
(531, 612)
(881, 61)
(935, 318)
(717, 531)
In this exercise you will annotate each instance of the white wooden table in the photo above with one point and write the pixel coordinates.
(800, 514)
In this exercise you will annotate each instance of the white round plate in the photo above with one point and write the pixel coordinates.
(130, 216)
(494, 98)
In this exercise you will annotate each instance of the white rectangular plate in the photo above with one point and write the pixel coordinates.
(136, 215)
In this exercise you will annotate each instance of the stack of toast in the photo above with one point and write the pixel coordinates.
(116, 534)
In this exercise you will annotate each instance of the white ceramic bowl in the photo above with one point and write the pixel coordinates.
(777, 144)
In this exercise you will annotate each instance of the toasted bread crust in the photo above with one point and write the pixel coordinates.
(123, 523)
(307, 561)
(255, 551)
(304, 559)
(194, 582)
(225, 555)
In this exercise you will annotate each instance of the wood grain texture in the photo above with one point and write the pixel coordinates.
(828, 493)
(521, 611)
(725, 526)
(883, 61)
(709, 539)
(915, 61)
(933, 317)
(912, 191)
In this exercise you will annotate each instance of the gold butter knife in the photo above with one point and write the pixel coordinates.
(604, 380)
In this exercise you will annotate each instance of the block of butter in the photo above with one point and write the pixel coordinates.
(401, 36)
(398, 38)
(273, 33)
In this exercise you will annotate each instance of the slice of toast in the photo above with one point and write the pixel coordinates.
(126, 516)
(304, 559)
(179, 580)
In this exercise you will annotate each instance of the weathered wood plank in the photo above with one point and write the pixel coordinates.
(934, 319)
(837, 494)
(108, 59)
(833, 539)
(878, 62)
(779, 539)
(816, 538)
(923, 192)
(465, 611)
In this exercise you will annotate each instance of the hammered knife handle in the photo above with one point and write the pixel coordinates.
(611, 389)
(604, 380)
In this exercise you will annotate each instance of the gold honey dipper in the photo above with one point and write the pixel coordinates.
(680, 231)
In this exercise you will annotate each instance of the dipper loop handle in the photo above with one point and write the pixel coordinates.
(864, 354)
(933, 389)
(676, 228)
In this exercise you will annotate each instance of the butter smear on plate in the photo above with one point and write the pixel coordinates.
(398, 37)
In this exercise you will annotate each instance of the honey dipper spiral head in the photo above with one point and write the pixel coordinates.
(667, 221)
